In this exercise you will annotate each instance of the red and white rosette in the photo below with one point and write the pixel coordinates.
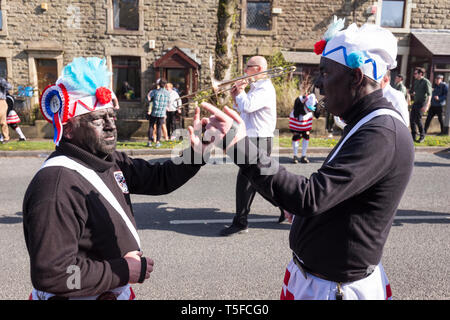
(54, 104)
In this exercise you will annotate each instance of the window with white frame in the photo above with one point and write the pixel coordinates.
(393, 13)
(3, 14)
(125, 17)
(126, 14)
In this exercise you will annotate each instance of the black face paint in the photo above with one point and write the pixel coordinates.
(96, 132)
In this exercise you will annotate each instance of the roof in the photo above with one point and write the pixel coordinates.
(436, 42)
(303, 57)
(178, 58)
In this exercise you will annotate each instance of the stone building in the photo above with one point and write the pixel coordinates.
(143, 40)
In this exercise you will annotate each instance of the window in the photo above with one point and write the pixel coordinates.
(127, 77)
(126, 14)
(177, 77)
(392, 13)
(3, 68)
(47, 72)
(259, 15)
(3, 16)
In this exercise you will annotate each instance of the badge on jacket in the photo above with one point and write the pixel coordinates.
(120, 179)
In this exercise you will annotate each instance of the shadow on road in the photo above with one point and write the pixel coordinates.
(444, 154)
(421, 217)
(158, 216)
(16, 218)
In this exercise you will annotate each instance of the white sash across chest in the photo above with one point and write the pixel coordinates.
(92, 177)
(363, 121)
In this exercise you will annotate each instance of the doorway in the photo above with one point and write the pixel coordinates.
(47, 73)
(178, 78)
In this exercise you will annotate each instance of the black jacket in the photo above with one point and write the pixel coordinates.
(67, 222)
(344, 211)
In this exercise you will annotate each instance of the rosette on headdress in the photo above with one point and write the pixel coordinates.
(81, 88)
(371, 48)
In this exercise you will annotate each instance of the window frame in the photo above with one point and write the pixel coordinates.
(246, 31)
(138, 98)
(110, 21)
(4, 18)
(403, 13)
(6, 68)
(405, 28)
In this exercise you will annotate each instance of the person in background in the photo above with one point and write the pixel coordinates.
(300, 124)
(438, 102)
(258, 109)
(5, 86)
(172, 109)
(395, 97)
(421, 95)
(160, 98)
(400, 86)
(13, 119)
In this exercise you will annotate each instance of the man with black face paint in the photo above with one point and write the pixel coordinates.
(78, 220)
(344, 211)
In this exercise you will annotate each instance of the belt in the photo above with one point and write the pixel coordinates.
(306, 270)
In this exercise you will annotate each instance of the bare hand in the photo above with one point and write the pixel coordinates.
(133, 259)
(220, 122)
(238, 87)
(195, 132)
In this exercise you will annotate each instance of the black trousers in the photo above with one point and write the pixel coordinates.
(170, 122)
(159, 122)
(245, 192)
(416, 120)
(434, 111)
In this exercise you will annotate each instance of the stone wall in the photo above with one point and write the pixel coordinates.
(71, 28)
(431, 14)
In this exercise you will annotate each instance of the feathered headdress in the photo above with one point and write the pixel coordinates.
(371, 48)
(82, 88)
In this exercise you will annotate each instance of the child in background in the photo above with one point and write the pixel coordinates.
(12, 118)
(300, 124)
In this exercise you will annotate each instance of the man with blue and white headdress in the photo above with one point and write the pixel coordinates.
(342, 213)
(78, 220)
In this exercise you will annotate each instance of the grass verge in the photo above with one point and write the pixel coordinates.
(284, 141)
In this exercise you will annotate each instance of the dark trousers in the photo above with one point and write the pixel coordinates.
(245, 192)
(170, 122)
(416, 120)
(434, 111)
(159, 122)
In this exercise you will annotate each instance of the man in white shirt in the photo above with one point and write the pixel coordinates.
(258, 110)
(395, 97)
(172, 108)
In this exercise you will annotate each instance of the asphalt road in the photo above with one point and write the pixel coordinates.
(193, 262)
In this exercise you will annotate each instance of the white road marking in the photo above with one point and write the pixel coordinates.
(206, 221)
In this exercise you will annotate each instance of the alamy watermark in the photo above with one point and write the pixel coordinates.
(74, 18)
(74, 280)
(213, 153)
